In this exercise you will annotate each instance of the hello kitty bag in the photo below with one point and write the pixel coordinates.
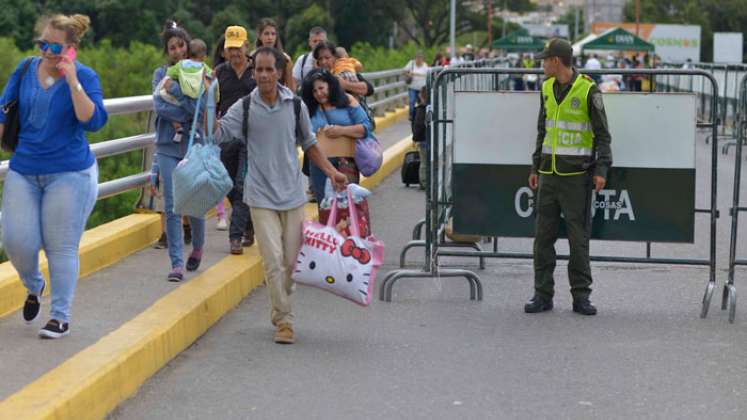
(345, 266)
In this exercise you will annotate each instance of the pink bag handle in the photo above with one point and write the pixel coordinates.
(354, 229)
(332, 212)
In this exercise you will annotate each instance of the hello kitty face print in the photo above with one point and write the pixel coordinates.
(343, 266)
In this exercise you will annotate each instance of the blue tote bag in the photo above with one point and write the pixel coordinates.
(200, 180)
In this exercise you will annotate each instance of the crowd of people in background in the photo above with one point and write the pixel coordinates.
(606, 82)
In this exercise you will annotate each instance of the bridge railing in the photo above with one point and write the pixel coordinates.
(390, 93)
(727, 76)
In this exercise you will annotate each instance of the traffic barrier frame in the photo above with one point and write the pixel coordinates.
(729, 296)
(438, 200)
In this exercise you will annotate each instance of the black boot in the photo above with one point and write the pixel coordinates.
(583, 306)
(538, 304)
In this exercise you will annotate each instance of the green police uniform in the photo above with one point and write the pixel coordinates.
(573, 144)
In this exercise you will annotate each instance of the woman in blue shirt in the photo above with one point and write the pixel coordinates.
(169, 153)
(52, 184)
(339, 116)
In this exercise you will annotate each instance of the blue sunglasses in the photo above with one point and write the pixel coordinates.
(53, 47)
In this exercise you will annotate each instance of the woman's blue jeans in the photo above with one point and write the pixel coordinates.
(166, 166)
(48, 212)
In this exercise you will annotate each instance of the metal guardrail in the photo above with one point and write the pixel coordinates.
(728, 77)
(390, 93)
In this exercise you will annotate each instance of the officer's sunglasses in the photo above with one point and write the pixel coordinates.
(53, 47)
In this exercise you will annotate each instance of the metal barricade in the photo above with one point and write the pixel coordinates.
(729, 297)
(440, 202)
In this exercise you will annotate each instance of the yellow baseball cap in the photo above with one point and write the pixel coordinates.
(235, 37)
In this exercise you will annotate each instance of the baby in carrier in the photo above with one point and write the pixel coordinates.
(346, 66)
(190, 74)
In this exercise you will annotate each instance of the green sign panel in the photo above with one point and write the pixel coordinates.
(637, 204)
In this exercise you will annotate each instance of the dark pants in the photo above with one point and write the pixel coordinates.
(413, 97)
(233, 156)
(241, 218)
(570, 195)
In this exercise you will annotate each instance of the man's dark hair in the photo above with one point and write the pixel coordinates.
(316, 30)
(172, 29)
(324, 45)
(567, 60)
(337, 96)
(279, 57)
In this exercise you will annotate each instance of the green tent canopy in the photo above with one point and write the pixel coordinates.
(618, 39)
(519, 41)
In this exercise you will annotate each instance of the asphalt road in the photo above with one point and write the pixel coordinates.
(433, 354)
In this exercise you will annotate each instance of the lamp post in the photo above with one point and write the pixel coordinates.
(452, 29)
(637, 17)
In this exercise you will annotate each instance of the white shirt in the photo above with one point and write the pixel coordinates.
(419, 74)
(298, 72)
(593, 64)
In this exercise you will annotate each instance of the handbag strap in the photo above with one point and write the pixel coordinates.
(211, 110)
(193, 131)
(332, 212)
(354, 228)
(210, 114)
(25, 70)
(332, 219)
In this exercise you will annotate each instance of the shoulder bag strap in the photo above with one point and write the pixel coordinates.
(297, 112)
(246, 103)
(26, 66)
(303, 64)
(193, 131)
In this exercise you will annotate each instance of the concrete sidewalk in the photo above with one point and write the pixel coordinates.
(433, 354)
(106, 300)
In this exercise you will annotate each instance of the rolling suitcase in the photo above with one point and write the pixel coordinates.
(410, 168)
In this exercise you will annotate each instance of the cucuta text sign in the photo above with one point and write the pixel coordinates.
(674, 43)
(494, 137)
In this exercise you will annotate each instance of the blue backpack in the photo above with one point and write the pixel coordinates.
(200, 179)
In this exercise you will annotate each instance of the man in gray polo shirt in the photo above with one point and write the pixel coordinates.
(273, 187)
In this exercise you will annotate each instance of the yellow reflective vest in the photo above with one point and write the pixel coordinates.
(568, 125)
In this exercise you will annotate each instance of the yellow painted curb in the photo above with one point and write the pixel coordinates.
(100, 247)
(93, 382)
(391, 118)
(97, 379)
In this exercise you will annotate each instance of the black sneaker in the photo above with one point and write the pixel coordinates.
(175, 275)
(32, 305)
(538, 304)
(162, 242)
(54, 329)
(193, 262)
(187, 234)
(584, 307)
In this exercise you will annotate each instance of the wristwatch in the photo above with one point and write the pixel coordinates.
(78, 87)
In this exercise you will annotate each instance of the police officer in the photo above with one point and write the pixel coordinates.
(571, 158)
